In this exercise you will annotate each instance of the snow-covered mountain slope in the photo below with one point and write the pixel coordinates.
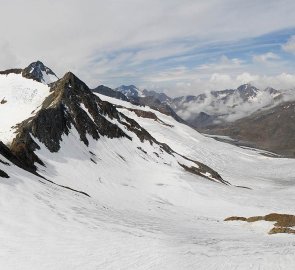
(114, 196)
(20, 98)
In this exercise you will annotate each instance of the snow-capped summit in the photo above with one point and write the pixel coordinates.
(39, 72)
(130, 91)
(247, 91)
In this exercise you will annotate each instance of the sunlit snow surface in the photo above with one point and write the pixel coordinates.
(20, 98)
(145, 214)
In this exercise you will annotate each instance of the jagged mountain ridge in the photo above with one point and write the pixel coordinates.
(36, 71)
(225, 105)
(213, 107)
(70, 108)
(131, 93)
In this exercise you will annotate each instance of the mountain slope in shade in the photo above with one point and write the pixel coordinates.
(104, 90)
(271, 129)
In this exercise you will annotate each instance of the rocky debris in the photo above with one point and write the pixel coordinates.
(283, 222)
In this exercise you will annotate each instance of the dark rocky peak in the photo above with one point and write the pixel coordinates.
(39, 72)
(247, 91)
(162, 97)
(272, 91)
(71, 105)
(222, 93)
(106, 91)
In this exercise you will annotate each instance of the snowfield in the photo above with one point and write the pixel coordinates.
(144, 213)
(21, 99)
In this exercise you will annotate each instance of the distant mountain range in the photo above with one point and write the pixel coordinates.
(225, 112)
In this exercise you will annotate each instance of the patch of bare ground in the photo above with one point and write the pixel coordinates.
(283, 222)
(148, 114)
(3, 101)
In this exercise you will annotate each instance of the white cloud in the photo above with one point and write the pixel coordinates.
(186, 82)
(80, 36)
(290, 45)
(266, 57)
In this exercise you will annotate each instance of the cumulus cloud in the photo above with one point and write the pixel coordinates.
(266, 57)
(290, 45)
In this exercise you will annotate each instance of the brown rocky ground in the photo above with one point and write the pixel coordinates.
(283, 222)
(272, 130)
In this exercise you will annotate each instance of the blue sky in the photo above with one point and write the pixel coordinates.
(184, 60)
(176, 46)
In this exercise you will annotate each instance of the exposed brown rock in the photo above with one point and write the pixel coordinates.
(276, 230)
(235, 219)
(283, 222)
(9, 71)
(148, 114)
(3, 101)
